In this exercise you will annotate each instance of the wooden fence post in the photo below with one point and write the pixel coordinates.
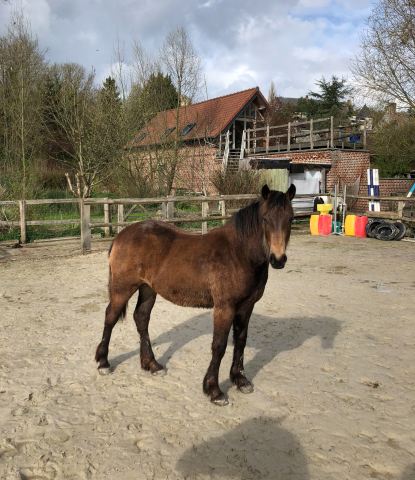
(223, 212)
(311, 134)
(107, 218)
(85, 230)
(364, 135)
(400, 209)
(267, 140)
(170, 209)
(289, 137)
(163, 211)
(22, 208)
(205, 213)
(120, 217)
(331, 132)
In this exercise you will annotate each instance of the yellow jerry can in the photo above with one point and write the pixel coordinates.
(349, 225)
(314, 224)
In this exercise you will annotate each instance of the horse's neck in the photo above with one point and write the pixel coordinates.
(254, 246)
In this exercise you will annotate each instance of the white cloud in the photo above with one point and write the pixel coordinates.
(293, 42)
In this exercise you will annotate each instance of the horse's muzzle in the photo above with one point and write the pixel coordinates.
(278, 262)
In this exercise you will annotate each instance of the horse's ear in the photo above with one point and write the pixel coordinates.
(265, 192)
(291, 192)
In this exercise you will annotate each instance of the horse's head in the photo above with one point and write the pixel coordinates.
(277, 215)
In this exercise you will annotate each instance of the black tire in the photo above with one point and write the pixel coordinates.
(371, 226)
(386, 231)
(401, 230)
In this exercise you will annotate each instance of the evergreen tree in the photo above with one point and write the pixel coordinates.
(329, 101)
(159, 93)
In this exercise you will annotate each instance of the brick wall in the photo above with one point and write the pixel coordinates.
(388, 186)
(196, 169)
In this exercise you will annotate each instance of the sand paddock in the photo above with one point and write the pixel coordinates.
(331, 353)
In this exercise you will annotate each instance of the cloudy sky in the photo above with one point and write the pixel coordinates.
(242, 43)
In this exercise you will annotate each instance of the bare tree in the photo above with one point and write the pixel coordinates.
(179, 59)
(22, 63)
(157, 84)
(272, 93)
(90, 126)
(384, 69)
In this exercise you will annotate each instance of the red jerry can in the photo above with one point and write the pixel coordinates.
(324, 225)
(360, 226)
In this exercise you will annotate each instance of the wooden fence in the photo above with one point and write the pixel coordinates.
(166, 212)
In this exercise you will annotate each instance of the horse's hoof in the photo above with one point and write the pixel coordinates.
(160, 373)
(220, 401)
(248, 388)
(104, 371)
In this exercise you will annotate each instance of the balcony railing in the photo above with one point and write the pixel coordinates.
(297, 136)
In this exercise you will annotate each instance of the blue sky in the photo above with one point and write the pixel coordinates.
(242, 43)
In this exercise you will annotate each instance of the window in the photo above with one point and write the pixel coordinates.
(143, 135)
(167, 133)
(187, 128)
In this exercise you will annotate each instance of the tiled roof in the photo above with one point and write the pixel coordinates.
(210, 117)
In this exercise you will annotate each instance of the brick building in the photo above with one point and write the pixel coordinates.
(187, 144)
(209, 131)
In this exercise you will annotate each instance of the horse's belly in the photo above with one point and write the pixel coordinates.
(188, 298)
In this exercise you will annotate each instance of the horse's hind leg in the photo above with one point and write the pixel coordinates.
(240, 333)
(146, 299)
(115, 309)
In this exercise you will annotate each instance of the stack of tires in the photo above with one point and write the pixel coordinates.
(385, 231)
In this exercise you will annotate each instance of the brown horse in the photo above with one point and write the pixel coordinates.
(226, 269)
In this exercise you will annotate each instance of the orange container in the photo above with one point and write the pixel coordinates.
(360, 226)
(349, 225)
(314, 224)
(324, 225)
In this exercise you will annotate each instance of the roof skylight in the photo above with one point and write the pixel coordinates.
(143, 135)
(187, 128)
(167, 133)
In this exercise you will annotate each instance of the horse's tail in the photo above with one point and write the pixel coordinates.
(124, 308)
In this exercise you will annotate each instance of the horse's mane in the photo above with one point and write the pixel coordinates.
(247, 221)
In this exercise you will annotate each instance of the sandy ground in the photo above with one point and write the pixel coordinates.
(330, 352)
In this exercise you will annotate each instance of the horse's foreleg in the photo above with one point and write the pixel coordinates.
(146, 299)
(114, 310)
(222, 321)
(240, 333)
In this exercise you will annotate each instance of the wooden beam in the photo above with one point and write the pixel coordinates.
(85, 227)
(267, 139)
(107, 218)
(400, 208)
(311, 134)
(205, 214)
(22, 208)
(120, 216)
(170, 210)
(223, 211)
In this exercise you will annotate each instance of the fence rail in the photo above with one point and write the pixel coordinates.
(165, 213)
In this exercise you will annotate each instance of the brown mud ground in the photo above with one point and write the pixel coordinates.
(331, 353)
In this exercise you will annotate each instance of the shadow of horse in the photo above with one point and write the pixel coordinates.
(269, 335)
(408, 473)
(258, 448)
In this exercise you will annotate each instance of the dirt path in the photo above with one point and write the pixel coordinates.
(331, 352)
